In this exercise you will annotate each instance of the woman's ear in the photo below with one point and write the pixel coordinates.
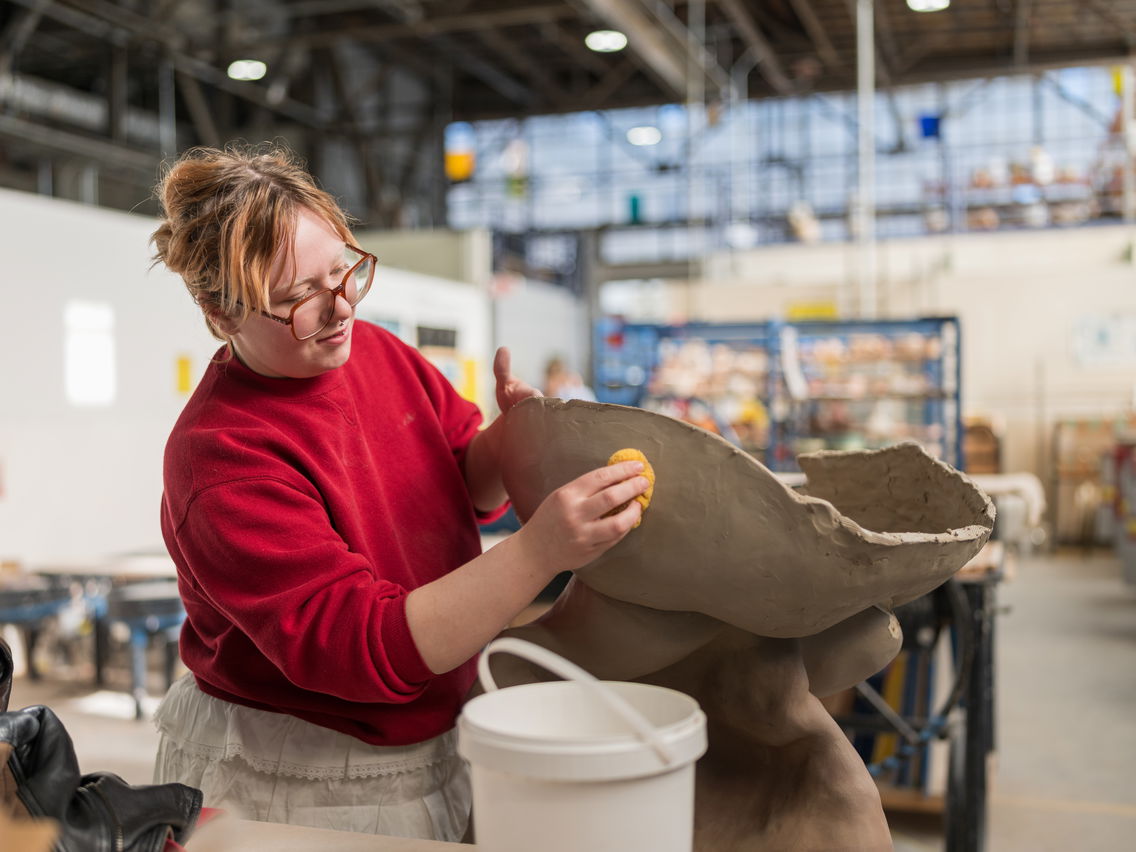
(223, 323)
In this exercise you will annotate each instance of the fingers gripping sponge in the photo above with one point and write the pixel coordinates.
(643, 499)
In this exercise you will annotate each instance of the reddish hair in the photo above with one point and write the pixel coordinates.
(227, 214)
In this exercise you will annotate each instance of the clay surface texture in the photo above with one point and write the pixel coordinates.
(725, 537)
(752, 598)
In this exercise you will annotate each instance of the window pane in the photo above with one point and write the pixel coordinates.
(88, 354)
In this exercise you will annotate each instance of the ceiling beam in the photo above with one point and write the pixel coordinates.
(160, 10)
(199, 111)
(17, 33)
(1104, 10)
(260, 95)
(574, 48)
(815, 28)
(762, 51)
(916, 51)
(127, 25)
(487, 72)
(513, 53)
(38, 137)
(887, 50)
(372, 171)
(948, 68)
(410, 15)
(404, 10)
(479, 109)
(423, 66)
(87, 24)
(1021, 32)
(120, 16)
(426, 26)
(427, 122)
(616, 76)
(308, 9)
(691, 48)
(647, 40)
(117, 93)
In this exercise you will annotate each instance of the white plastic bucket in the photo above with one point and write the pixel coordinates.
(580, 765)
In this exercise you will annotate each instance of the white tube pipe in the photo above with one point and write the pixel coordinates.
(866, 140)
(1129, 144)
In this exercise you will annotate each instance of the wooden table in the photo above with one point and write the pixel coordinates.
(237, 835)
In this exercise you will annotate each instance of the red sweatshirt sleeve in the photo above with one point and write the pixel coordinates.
(262, 553)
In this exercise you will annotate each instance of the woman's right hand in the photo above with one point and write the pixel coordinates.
(568, 529)
(458, 614)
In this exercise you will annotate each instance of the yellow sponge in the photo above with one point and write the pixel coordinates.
(643, 499)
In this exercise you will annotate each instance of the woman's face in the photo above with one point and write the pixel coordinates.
(268, 347)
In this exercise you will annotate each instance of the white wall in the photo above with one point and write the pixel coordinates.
(84, 483)
(87, 482)
(411, 300)
(1028, 303)
(453, 255)
(437, 278)
(539, 321)
(536, 320)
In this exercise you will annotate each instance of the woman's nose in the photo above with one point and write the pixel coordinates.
(343, 308)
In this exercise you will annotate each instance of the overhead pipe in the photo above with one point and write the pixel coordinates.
(1128, 143)
(866, 141)
(31, 96)
(692, 38)
(695, 113)
(167, 109)
(646, 39)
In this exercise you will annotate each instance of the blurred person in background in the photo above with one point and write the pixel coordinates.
(563, 383)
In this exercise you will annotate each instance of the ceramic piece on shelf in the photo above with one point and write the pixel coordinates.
(725, 537)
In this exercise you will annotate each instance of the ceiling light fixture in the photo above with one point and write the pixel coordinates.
(606, 41)
(247, 69)
(928, 5)
(645, 135)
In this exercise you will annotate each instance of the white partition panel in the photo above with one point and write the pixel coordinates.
(80, 477)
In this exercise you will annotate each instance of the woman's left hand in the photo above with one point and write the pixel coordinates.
(510, 389)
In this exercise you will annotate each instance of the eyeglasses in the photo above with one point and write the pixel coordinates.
(312, 314)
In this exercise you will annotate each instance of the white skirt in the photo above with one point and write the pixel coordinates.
(273, 767)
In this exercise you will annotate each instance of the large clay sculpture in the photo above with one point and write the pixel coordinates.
(753, 598)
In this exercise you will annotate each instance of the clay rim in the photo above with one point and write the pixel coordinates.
(967, 533)
(971, 532)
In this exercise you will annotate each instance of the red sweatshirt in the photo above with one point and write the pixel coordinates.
(300, 513)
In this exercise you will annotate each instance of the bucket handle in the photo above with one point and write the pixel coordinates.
(570, 671)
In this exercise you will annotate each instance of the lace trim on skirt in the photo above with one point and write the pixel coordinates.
(279, 744)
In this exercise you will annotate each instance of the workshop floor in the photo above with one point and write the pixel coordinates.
(1065, 772)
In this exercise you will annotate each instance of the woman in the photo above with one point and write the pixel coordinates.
(321, 495)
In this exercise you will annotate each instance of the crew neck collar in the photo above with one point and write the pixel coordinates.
(230, 367)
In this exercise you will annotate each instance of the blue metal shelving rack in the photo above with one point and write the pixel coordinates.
(626, 355)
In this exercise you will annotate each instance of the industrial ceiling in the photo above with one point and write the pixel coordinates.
(94, 93)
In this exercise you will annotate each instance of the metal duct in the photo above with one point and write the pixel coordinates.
(30, 96)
